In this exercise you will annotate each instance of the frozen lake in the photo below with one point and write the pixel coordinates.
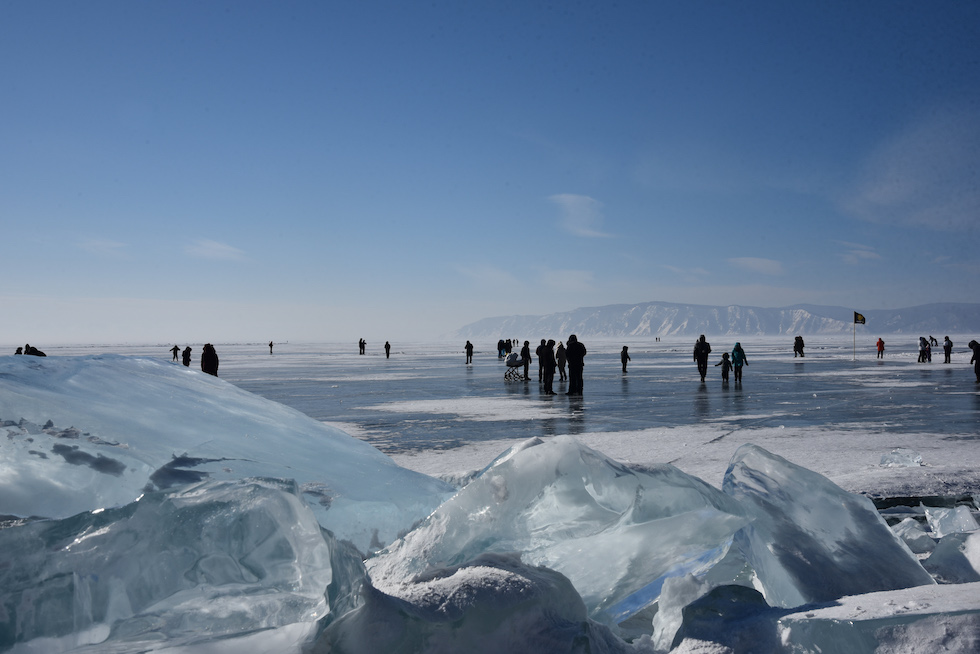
(424, 397)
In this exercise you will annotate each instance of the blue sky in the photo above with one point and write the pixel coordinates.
(322, 171)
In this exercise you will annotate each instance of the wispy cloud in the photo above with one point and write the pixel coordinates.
(928, 175)
(687, 275)
(581, 215)
(102, 246)
(576, 281)
(489, 275)
(754, 264)
(855, 253)
(208, 249)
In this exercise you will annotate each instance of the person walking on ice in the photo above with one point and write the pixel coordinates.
(701, 351)
(176, 350)
(947, 348)
(738, 360)
(881, 349)
(624, 357)
(726, 365)
(469, 352)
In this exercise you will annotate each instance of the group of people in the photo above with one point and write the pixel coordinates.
(925, 348)
(729, 364)
(550, 360)
(209, 357)
(30, 349)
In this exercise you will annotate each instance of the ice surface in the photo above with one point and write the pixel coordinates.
(809, 540)
(122, 428)
(216, 557)
(901, 457)
(956, 559)
(617, 533)
(914, 535)
(492, 604)
(943, 521)
(82, 433)
(923, 619)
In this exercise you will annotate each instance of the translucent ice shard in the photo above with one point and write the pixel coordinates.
(810, 541)
(617, 533)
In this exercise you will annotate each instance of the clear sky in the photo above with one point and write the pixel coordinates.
(320, 171)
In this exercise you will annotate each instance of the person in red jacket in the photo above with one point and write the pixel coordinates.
(881, 349)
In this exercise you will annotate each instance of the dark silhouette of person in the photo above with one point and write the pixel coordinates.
(33, 351)
(947, 348)
(549, 367)
(738, 360)
(575, 355)
(209, 360)
(798, 347)
(726, 365)
(469, 352)
(361, 345)
(701, 351)
(500, 349)
(187, 356)
(387, 350)
(176, 350)
(270, 347)
(20, 350)
(538, 353)
(560, 358)
(933, 341)
(624, 357)
(526, 359)
(975, 359)
(508, 346)
(881, 349)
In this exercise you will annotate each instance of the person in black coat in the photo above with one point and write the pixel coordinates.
(575, 355)
(526, 358)
(701, 351)
(187, 356)
(975, 359)
(548, 355)
(209, 360)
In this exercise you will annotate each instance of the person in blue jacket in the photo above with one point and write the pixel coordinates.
(738, 360)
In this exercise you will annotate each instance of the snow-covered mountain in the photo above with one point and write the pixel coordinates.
(669, 319)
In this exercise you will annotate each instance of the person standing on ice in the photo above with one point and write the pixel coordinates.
(798, 347)
(548, 353)
(176, 350)
(624, 357)
(526, 359)
(881, 349)
(387, 350)
(726, 365)
(270, 347)
(738, 360)
(561, 360)
(975, 359)
(469, 352)
(539, 352)
(947, 348)
(701, 351)
(575, 354)
(187, 356)
(209, 360)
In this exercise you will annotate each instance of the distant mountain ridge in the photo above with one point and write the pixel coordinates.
(671, 319)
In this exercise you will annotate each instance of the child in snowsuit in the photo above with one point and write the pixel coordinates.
(726, 365)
